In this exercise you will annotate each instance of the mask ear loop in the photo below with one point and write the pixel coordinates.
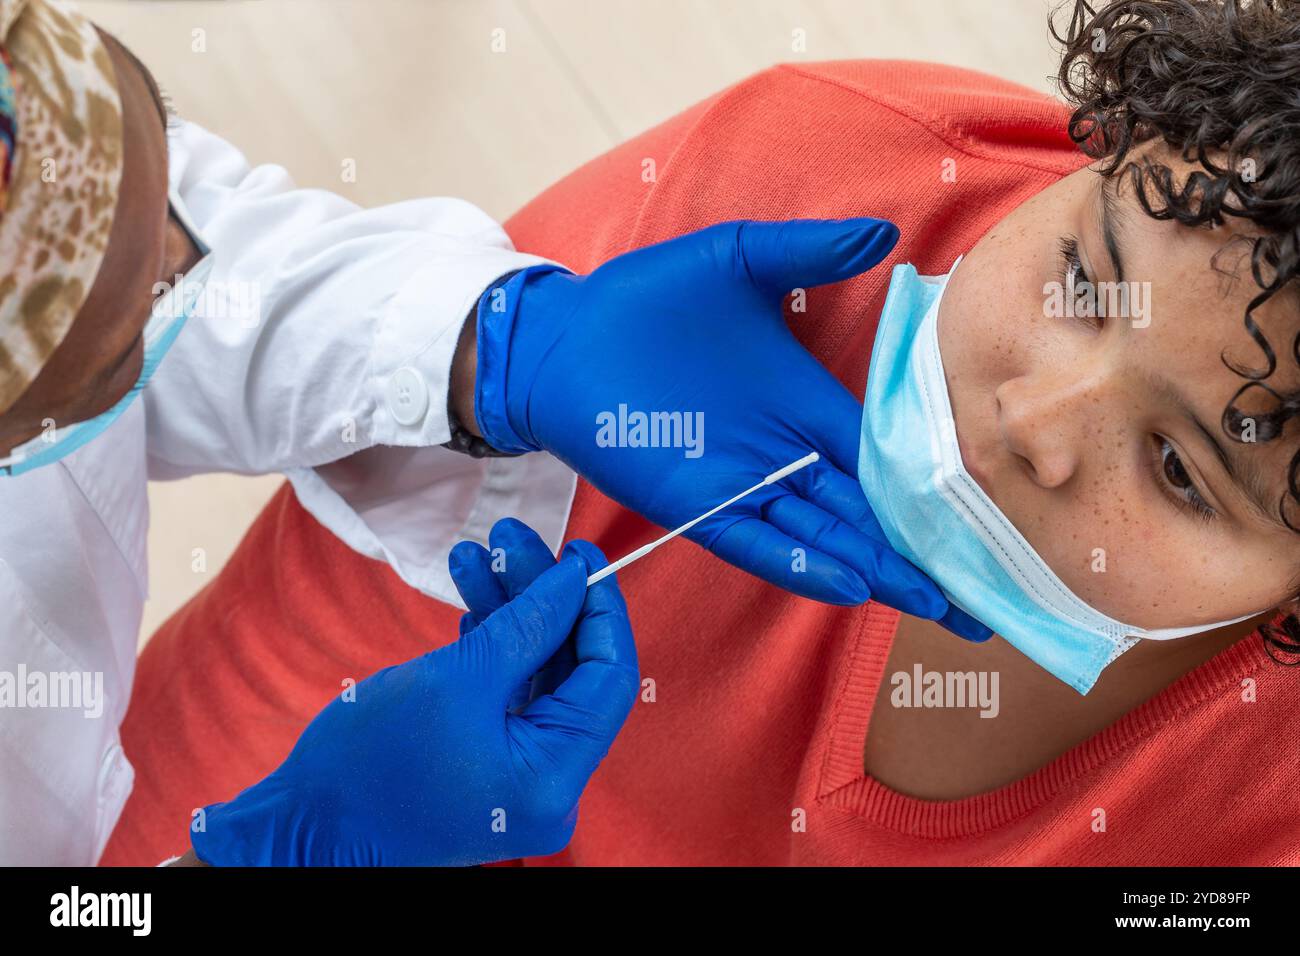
(1173, 633)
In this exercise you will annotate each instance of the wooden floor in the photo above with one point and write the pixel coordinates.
(489, 100)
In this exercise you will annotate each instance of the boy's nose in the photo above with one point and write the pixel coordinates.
(1043, 419)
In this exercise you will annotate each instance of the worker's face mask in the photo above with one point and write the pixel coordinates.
(937, 516)
(165, 322)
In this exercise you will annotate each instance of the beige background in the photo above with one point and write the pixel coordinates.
(414, 93)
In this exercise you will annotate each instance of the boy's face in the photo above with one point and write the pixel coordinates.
(1084, 429)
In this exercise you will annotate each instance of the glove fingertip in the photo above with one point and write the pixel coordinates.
(590, 555)
(510, 533)
(463, 554)
(927, 601)
(571, 572)
(841, 586)
(964, 626)
(882, 231)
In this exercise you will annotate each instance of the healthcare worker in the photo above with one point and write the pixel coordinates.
(165, 311)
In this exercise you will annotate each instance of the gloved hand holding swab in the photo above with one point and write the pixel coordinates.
(647, 548)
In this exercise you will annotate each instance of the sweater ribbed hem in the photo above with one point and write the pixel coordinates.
(845, 786)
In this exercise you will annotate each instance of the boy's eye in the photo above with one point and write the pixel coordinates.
(1080, 290)
(1176, 481)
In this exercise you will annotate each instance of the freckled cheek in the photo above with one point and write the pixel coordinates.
(981, 347)
(1124, 555)
(1120, 546)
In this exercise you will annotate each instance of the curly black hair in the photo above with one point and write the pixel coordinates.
(1218, 82)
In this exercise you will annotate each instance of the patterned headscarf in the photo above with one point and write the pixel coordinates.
(60, 169)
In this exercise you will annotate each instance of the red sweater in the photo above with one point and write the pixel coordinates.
(762, 699)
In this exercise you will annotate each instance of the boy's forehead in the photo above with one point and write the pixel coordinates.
(1198, 284)
(1198, 330)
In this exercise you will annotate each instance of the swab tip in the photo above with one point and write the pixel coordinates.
(791, 468)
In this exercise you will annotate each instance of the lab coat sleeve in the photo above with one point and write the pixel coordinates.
(321, 347)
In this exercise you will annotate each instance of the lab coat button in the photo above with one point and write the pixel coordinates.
(408, 396)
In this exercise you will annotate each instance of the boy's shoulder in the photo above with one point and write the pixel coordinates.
(979, 112)
(938, 86)
(903, 140)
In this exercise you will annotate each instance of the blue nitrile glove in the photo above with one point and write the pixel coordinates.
(488, 579)
(694, 327)
(426, 766)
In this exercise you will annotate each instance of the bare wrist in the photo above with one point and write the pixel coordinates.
(464, 375)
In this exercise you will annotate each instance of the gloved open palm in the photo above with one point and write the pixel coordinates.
(690, 334)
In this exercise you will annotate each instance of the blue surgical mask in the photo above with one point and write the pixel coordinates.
(165, 322)
(937, 516)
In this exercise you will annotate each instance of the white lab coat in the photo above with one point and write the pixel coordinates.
(325, 333)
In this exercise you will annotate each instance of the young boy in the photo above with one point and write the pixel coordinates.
(769, 728)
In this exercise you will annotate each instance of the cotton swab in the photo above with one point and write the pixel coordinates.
(645, 549)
